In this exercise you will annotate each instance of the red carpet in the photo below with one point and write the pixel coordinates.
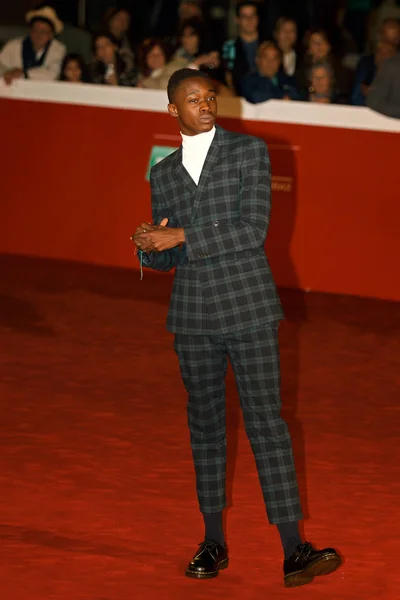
(98, 498)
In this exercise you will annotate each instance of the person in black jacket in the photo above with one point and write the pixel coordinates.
(269, 81)
(384, 94)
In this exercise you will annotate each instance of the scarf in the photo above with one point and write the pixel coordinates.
(29, 59)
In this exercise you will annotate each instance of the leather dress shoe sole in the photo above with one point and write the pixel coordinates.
(320, 566)
(208, 574)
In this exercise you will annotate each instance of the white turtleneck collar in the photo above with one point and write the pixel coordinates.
(194, 152)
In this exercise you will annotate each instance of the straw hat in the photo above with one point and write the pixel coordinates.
(47, 14)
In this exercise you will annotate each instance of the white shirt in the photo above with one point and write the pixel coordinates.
(194, 152)
(289, 62)
(11, 58)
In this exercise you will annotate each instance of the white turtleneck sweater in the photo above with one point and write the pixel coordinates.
(194, 152)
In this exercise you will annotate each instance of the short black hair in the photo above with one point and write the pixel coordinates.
(244, 3)
(180, 76)
(106, 34)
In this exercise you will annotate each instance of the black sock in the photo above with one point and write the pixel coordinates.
(214, 529)
(290, 537)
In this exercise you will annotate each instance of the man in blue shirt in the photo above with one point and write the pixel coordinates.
(389, 40)
(239, 55)
(268, 81)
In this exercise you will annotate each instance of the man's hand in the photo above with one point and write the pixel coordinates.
(156, 238)
(211, 59)
(112, 79)
(13, 74)
(365, 89)
(143, 228)
(147, 227)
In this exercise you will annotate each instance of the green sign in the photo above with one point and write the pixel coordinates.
(157, 154)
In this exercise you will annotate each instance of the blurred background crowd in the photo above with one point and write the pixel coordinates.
(326, 51)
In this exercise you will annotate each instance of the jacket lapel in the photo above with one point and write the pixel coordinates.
(207, 172)
(189, 202)
(182, 174)
(184, 189)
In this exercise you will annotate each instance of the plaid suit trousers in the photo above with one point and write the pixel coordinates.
(254, 356)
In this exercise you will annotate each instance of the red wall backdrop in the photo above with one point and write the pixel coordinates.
(73, 187)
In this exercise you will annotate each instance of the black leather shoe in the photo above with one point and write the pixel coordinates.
(306, 563)
(209, 559)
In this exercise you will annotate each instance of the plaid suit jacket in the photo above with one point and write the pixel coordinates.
(222, 282)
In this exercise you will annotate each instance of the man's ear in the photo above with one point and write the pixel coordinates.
(173, 111)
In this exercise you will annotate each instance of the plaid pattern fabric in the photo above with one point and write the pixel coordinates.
(223, 282)
(254, 356)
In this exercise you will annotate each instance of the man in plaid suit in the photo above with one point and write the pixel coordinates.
(211, 204)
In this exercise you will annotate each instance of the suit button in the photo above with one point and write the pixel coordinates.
(215, 223)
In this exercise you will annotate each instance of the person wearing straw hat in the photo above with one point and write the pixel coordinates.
(37, 56)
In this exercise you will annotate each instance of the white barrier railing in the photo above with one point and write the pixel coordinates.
(278, 111)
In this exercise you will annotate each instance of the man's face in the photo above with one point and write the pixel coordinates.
(190, 41)
(156, 58)
(318, 47)
(391, 33)
(41, 33)
(248, 20)
(384, 51)
(195, 106)
(269, 62)
(120, 22)
(105, 50)
(287, 35)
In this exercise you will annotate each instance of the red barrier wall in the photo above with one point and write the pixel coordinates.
(73, 187)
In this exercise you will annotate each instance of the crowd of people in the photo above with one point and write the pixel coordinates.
(257, 67)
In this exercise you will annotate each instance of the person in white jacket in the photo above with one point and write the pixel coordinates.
(37, 56)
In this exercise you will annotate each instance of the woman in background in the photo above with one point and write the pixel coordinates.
(191, 40)
(322, 84)
(286, 39)
(109, 66)
(199, 53)
(319, 49)
(152, 59)
(155, 69)
(117, 21)
(73, 69)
